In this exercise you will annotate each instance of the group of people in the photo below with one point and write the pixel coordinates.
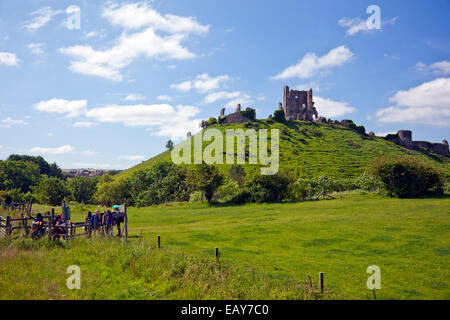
(104, 222)
(38, 227)
(101, 222)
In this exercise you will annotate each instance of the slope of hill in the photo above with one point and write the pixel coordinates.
(314, 149)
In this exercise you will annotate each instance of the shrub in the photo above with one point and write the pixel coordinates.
(237, 173)
(226, 192)
(407, 177)
(111, 191)
(279, 116)
(212, 121)
(366, 182)
(265, 189)
(250, 114)
(300, 189)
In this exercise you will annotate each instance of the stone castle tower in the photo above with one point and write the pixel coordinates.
(299, 105)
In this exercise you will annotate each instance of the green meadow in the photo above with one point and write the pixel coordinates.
(267, 251)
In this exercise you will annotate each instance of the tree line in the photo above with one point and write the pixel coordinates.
(23, 178)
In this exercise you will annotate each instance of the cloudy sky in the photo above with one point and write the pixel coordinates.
(105, 84)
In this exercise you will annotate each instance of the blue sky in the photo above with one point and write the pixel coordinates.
(110, 93)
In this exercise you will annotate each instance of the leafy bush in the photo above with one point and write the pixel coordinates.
(279, 116)
(227, 191)
(212, 121)
(300, 189)
(250, 114)
(237, 173)
(366, 182)
(261, 188)
(406, 177)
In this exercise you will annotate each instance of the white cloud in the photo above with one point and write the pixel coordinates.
(132, 158)
(8, 59)
(43, 16)
(135, 97)
(73, 108)
(384, 134)
(329, 108)
(137, 15)
(55, 151)
(84, 124)
(8, 122)
(202, 83)
(311, 64)
(441, 68)
(428, 103)
(356, 25)
(36, 48)
(167, 120)
(164, 98)
(109, 62)
(221, 95)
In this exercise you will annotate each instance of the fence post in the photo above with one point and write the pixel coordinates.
(321, 282)
(159, 242)
(217, 255)
(8, 227)
(125, 224)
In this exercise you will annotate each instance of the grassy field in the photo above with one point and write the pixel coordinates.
(408, 239)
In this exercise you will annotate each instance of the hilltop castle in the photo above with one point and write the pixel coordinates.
(298, 105)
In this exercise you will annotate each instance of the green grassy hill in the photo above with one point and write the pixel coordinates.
(314, 149)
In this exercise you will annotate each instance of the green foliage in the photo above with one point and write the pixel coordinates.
(205, 178)
(366, 182)
(5, 197)
(279, 116)
(250, 114)
(237, 173)
(300, 189)
(110, 191)
(82, 189)
(407, 177)
(260, 188)
(169, 145)
(226, 192)
(162, 183)
(44, 167)
(18, 175)
(212, 121)
(51, 190)
(361, 129)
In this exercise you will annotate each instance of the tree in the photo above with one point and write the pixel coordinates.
(55, 171)
(237, 173)
(51, 190)
(18, 175)
(161, 183)
(44, 167)
(82, 189)
(205, 178)
(110, 191)
(188, 134)
(279, 116)
(169, 144)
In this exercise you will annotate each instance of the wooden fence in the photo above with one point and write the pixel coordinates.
(71, 229)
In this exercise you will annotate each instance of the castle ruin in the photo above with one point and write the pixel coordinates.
(404, 138)
(299, 105)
